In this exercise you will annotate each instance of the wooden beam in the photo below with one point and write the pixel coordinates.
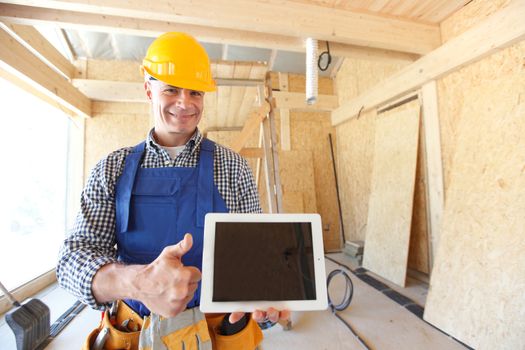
(273, 140)
(297, 101)
(500, 30)
(252, 152)
(336, 66)
(322, 23)
(43, 48)
(128, 91)
(223, 128)
(271, 61)
(284, 115)
(269, 179)
(30, 88)
(152, 28)
(434, 166)
(19, 61)
(238, 82)
(252, 124)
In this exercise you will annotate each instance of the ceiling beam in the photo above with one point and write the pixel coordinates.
(153, 28)
(43, 48)
(501, 29)
(297, 101)
(272, 17)
(131, 91)
(16, 59)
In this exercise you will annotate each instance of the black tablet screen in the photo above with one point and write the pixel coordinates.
(263, 261)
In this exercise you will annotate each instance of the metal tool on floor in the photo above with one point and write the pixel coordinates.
(30, 321)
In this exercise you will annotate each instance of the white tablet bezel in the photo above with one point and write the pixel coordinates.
(207, 305)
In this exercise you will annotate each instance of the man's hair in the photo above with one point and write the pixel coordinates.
(148, 77)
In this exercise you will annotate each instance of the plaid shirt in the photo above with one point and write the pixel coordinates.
(91, 242)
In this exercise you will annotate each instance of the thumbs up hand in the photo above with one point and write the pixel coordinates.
(165, 286)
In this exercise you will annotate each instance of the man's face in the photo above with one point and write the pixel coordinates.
(177, 112)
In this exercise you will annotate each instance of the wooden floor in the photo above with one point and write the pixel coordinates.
(378, 320)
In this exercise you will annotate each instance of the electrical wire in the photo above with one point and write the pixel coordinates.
(328, 58)
(347, 299)
(349, 291)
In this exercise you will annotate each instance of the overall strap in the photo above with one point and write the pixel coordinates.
(125, 183)
(205, 188)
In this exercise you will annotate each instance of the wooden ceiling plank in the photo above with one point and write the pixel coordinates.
(150, 28)
(18, 60)
(500, 30)
(250, 93)
(237, 95)
(210, 109)
(224, 70)
(344, 26)
(448, 8)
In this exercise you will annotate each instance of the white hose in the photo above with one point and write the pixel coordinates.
(311, 71)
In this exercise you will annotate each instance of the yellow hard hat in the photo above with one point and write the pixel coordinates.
(178, 59)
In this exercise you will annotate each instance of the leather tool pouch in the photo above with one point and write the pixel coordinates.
(246, 339)
(120, 332)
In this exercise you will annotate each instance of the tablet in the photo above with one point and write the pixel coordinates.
(256, 261)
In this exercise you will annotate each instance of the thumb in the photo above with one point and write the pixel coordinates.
(181, 248)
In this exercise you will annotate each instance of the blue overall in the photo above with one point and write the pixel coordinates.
(155, 207)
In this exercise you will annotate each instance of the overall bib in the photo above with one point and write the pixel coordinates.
(155, 207)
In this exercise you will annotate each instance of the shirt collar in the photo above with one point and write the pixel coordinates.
(191, 145)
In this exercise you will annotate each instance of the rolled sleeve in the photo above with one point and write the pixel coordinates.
(91, 243)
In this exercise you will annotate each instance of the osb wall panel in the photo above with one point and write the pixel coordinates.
(293, 202)
(476, 289)
(392, 193)
(226, 138)
(355, 142)
(113, 70)
(297, 175)
(355, 154)
(107, 131)
(356, 76)
(309, 133)
(451, 87)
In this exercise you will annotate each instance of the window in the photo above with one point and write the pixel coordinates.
(33, 184)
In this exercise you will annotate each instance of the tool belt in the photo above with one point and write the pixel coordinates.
(123, 328)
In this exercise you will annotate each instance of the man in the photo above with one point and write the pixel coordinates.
(146, 199)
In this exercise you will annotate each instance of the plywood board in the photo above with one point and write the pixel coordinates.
(355, 141)
(107, 132)
(478, 281)
(392, 193)
(298, 176)
(293, 202)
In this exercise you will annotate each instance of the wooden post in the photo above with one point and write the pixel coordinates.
(274, 153)
(434, 166)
